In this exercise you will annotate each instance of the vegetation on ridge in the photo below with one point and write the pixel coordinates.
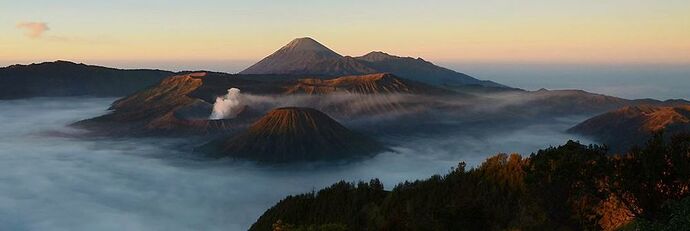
(571, 187)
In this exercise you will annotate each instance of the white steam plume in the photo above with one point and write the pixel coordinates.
(227, 106)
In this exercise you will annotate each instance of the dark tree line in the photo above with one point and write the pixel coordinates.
(571, 187)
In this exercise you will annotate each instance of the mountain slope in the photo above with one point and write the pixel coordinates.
(420, 70)
(168, 108)
(294, 134)
(63, 78)
(380, 83)
(305, 56)
(569, 102)
(505, 192)
(633, 125)
(368, 96)
(182, 104)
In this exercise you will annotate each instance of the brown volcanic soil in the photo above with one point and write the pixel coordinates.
(634, 125)
(389, 94)
(380, 83)
(294, 134)
(164, 108)
(180, 105)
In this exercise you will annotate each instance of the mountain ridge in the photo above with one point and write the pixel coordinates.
(66, 78)
(421, 70)
(625, 127)
(306, 56)
(364, 84)
(182, 104)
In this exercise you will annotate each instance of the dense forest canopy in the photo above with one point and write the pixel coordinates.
(571, 187)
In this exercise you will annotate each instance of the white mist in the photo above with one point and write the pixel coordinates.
(227, 106)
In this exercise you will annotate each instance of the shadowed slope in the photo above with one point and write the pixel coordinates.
(421, 70)
(64, 78)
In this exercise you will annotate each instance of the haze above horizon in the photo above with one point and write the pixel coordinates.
(181, 32)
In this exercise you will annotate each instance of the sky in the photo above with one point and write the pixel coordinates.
(227, 35)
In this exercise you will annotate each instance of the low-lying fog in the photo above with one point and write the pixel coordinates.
(51, 180)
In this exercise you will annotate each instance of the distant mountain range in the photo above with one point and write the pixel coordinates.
(374, 86)
(301, 58)
(181, 104)
(63, 78)
(306, 56)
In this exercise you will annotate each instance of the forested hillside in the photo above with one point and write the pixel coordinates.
(571, 187)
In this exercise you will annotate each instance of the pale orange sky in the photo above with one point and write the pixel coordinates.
(182, 32)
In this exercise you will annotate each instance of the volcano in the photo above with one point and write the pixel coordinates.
(172, 107)
(306, 56)
(294, 134)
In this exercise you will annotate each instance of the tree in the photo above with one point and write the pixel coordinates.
(675, 216)
(567, 183)
(647, 177)
(571, 187)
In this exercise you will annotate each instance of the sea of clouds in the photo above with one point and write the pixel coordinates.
(51, 178)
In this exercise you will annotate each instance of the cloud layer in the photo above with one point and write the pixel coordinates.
(33, 29)
(52, 181)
